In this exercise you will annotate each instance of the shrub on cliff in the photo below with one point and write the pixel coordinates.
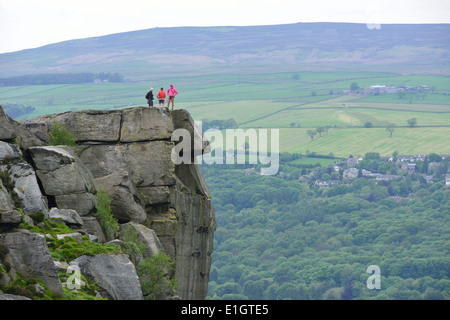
(107, 221)
(155, 275)
(59, 135)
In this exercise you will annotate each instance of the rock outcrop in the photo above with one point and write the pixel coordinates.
(127, 153)
(115, 275)
(31, 258)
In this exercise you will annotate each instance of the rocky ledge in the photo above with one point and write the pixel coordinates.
(126, 153)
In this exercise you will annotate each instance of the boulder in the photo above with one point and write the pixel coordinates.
(155, 195)
(147, 163)
(115, 275)
(93, 228)
(144, 235)
(68, 216)
(31, 258)
(11, 130)
(5, 199)
(183, 120)
(124, 197)
(27, 189)
(60, 171)
(135, 175)
(64, 176)
(39, 129)
(7, 296)
(9, 151)
(83, 203)
(88, 125)
(145, 124)
(74, 235)
(9, 219)
(194, 238)
(192, 178)
(7, 128)
(25, 139)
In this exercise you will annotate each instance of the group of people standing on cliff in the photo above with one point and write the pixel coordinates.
(171, 93)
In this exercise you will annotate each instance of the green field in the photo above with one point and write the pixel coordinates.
(313, 161)
(359, 141)
(291, 102)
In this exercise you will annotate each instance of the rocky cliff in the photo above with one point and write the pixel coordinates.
(126, 153)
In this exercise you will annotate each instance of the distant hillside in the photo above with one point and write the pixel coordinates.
(145, 53)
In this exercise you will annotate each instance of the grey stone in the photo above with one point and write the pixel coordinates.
(183, 120)
(10, 219)
(28, 220)
(83, 203)
(39, 129)
(5, 199)
(92, 238)
(128, 153)
(60, 171)
(75, 235)
(39, 290)
(155, 195)
(147, 163)
(31, 258)
(192, 178)
(194, 237)
(114, 275)
(27, 189)
(128, 172)
(123, 196)
(144, 235)
(9, 151)
(68, 216)
(92, 227)
(87, 125)
(7, 296)
(145, 124)
(7, 129)
(61, 266)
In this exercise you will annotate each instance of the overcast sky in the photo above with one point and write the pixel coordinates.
(33, 23)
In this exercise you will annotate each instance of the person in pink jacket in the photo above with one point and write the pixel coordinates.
(172, 92)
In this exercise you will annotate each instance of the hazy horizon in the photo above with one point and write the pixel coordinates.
(45, 22)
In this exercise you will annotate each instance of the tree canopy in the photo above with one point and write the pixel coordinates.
(281, 237)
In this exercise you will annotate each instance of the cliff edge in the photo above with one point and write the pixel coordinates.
(126, 153)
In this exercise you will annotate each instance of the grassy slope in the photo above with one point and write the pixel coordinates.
(145, 53)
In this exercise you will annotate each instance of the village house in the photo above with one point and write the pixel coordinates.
(447, 179)
(327, 184)
(386, 177)
(408, 167)
(399, 198)
(405, 158)
(421, 157)
(411, 167)
(353, 161)
(380, 89)
(351, 173)
(433, 165)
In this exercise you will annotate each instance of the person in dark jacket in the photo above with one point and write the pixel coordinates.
(149, 97)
